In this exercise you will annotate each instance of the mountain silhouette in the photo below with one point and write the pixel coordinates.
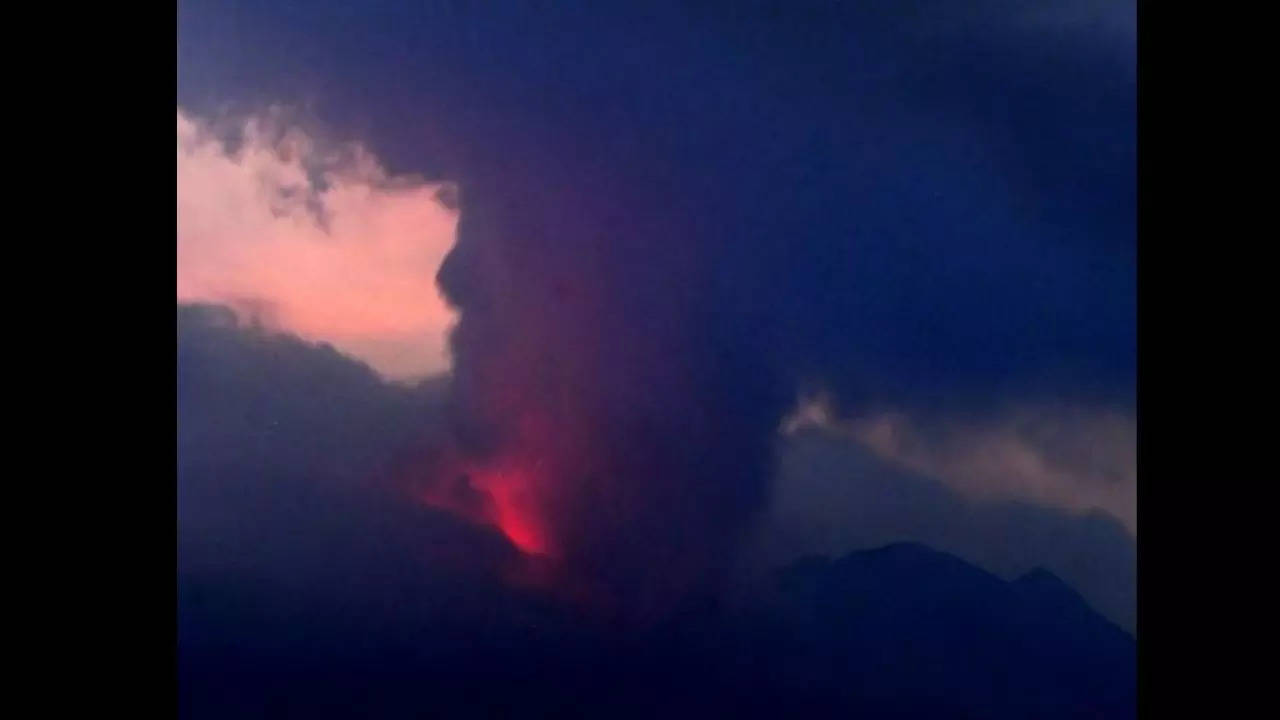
(902, 631)
(907, 631)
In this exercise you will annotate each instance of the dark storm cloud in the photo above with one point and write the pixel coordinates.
(908, 213)
(914, 202)
(674, 220)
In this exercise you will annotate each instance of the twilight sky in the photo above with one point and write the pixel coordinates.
(798, 277)
(347, 262)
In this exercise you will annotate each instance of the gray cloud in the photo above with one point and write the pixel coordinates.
(832, 495)
(1072, 457)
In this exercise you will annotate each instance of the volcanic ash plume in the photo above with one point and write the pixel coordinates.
(594, 423)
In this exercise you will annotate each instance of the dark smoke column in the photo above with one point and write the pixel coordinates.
(593, 384)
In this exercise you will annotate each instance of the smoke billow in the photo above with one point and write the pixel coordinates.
(646, 279)
(596, 421)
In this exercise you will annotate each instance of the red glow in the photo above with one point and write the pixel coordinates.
(500, 494)
(514, 511)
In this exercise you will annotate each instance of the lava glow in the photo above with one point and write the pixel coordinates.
(514, 512)
(501, 495)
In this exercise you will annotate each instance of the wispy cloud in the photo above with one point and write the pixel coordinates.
(1059, 455)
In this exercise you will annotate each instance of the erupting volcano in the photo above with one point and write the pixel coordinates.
(500, 493)
(515, 511)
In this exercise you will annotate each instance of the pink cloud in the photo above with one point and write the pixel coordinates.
(321, 243)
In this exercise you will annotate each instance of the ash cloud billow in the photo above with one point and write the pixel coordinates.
(599, 422)
(647, 278)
